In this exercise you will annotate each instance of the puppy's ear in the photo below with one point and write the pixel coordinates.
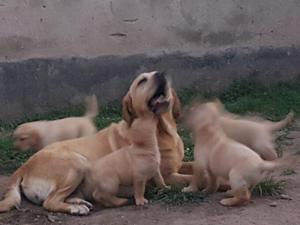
(127, 110)
(176, 110)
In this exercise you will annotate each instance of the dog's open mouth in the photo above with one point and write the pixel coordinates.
(159, 102)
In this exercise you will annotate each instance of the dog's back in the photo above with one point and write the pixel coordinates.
(39, 134)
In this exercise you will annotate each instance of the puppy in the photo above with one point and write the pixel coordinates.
(221, 157)
(36, 135)
(252, 132)
(132, 165)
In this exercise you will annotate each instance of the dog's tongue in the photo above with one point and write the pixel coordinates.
(160, 100)
(160, 104)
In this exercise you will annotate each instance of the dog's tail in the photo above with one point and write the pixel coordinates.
(92, 109)
(285, 162)
(12, 197)
(274, 126)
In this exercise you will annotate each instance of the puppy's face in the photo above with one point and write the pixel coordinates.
(203, 115)
(25, 138)
(149, 93)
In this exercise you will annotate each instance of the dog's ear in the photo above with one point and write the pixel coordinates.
(127, 109)
(36, 140)
(176, 110)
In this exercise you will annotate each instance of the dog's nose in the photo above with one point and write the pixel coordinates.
(160, 75)
(160, 78)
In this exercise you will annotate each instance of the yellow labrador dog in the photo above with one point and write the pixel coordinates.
(52, 174)
(36, 135)
(218, 156)
(131, 165)
(254, 133)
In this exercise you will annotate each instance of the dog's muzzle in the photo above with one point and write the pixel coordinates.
(159, 102)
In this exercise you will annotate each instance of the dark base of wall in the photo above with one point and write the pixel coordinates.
(40, 85)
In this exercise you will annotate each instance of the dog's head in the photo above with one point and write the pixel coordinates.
(150, 93)
(203, 115)
(26, 137)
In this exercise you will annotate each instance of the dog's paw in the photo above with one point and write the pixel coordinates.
(229, 193)
(226, 202)
(79, 210)
(208, 191)
(189, 189)
(167, 187)
(88, 204)
(141, 201)
(79, 201)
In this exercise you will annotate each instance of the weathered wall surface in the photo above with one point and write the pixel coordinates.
(53, 52)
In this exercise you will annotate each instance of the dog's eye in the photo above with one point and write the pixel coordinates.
(22, 139)
(142, 81)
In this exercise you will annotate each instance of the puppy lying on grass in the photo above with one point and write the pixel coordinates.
(218, 156)
(254, 133)
(133, 165)
(36, 135)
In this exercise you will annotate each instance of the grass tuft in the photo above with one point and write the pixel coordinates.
(173, 196)
(269, 187)
(288, 172)
(9, 158)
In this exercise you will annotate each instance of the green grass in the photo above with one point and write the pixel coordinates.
(10, 159)
(288, 172)
(173, 196)
(108, 114)
(269, 187)
(242, 97)
(246, 96)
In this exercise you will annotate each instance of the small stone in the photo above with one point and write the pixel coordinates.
(52, 218)
(273, 204)
(285, 197)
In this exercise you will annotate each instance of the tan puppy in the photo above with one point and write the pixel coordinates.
(221, 157)
(132, 165)
(36, 135)
(43, 185)
(256, 134)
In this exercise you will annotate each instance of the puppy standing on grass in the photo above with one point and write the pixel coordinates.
(133, 165)
(221, 157)
(36, 135)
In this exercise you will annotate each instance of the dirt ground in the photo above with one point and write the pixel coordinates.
(209, 212)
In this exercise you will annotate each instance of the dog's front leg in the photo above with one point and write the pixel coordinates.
(159, 180)
(139, 191)
(198, 179)
(212, 183)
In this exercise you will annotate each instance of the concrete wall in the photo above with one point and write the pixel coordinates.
(53, 52)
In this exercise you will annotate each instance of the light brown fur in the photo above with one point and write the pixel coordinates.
(36, 135)
(131, 165)
(255, 133)
(218, 156)
(71, 158)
